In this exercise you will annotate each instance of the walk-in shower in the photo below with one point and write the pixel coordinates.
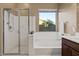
(16, 25)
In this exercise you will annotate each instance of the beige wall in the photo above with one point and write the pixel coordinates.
(0, 31)
(67, 13)
(7, 5)
(35, 6)
(78, 17)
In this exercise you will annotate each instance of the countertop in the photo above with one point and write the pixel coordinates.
(72, 38)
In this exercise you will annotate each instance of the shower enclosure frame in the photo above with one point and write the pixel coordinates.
(2, 44)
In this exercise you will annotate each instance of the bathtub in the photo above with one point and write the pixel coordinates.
(47, 43)
(46, 40)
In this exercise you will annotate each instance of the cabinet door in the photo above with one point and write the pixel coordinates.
(66, 50)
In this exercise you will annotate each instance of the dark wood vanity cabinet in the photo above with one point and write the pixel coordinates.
(69, 48)
(66, 50)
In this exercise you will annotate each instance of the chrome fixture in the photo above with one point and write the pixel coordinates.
(10, 18)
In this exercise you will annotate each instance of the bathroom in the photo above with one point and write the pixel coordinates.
(21, 31)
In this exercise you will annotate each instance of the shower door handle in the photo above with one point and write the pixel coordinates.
(31, 32)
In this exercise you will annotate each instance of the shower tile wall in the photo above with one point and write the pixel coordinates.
(10, 38)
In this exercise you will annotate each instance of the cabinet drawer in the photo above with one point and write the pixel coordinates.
(72, 44)
(75, 53)
(66, 50)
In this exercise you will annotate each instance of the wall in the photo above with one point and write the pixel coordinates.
(35, 6)
(7, 5)
(67, 13)
(78, 17)
(0, 31)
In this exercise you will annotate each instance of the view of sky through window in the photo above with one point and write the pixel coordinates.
(47, 21)
(48, 15)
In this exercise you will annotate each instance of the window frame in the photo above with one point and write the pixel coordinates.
(56, 19)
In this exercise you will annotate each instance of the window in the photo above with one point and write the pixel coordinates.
(47, 21)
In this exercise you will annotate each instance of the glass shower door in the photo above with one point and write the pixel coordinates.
(24, 32)
(15, 31)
